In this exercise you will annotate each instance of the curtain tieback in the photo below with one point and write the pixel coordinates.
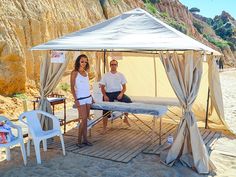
(188, 110)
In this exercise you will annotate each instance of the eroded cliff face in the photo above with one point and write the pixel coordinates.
(24, 24)
(180, 13)
(113, 8)
(229, 56)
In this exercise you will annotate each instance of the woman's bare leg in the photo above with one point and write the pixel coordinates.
(83, 123)
(86, 120)
(88, 110)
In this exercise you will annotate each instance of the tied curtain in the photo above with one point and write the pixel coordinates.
(215, 90)
(50, 75)
(184, 73)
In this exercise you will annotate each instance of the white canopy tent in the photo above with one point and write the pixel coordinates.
(137, 30)
(130, 31)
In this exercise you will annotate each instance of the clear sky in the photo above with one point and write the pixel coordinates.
(211, 8)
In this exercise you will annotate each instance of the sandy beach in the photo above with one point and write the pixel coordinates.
(144, 165)
(228, 82)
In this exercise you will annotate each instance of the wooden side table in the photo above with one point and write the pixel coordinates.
(55, 99)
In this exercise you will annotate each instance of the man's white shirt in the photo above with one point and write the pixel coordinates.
(113, 82)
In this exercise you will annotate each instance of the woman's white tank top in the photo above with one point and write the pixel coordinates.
(82, 88)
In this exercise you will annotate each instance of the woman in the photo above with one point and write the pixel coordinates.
(81, 92)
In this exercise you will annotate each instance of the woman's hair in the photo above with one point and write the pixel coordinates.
(77, 62)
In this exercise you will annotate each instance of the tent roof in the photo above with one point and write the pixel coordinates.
(130, 31)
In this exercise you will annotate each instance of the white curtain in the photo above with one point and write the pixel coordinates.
(184, 73)
(50, 75)
(215, 89)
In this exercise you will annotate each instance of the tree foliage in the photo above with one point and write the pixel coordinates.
(151, 1)
(102, 2)
(194, 10)
(223, 27)
(199, 27)
(218, 43)
(179, 26)
(154, 1)
(151, 8)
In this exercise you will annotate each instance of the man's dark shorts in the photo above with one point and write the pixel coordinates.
(113, 96)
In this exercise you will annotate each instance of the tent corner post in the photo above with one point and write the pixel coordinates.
(207, 107)
(104, 61)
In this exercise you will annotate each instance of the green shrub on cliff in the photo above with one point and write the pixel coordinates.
(102, 2)
(164, 15)
(152, 1)
(198, 26)
(223, 27)
(232, 45)
(115, 1)
(179, 26)
(21, 96)
(65, 87)
(218, 43)
(151, 8)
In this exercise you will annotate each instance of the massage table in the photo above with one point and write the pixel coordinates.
(156, 100)
(157, 111)
(140, 102)
(166, 101)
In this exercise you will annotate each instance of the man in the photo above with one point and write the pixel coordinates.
(221, 64)
(113, 87)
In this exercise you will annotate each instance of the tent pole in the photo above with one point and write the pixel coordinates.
(104, 62)
(155, 73)
(208, 97)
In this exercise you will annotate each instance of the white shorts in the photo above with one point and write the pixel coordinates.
(85, 101)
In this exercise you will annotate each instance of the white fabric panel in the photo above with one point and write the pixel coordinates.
(135, 108)
(133, 30)
(156, 100)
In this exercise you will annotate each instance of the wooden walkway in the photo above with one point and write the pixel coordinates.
(122, 143)
(209, 138)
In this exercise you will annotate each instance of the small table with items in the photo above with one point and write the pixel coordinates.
(55, 99)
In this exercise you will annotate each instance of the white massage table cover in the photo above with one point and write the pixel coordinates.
(135, 108)
(156, 100)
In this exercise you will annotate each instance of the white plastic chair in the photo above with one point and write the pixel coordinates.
(37, 134)
(17, 140)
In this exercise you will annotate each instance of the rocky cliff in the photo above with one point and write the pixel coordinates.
(180, 14)
(199, 27)
(27, 23)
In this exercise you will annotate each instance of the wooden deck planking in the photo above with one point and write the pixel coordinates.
(133, 151)
(204, 133)
(117, 148)
(111, 143)
(169, 129)
(213, 139)
(158, 147)
(208, 137)
(138, 142)
(123, 144)
(114, 136)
